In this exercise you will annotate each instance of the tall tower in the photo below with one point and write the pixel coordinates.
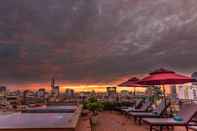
(52, 83)
(54, 88)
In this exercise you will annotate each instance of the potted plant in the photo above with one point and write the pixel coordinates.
(94, 106)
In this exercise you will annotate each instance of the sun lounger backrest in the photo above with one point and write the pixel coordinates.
(162, 107)
(138, 103)
(146, 104)
(195, 118)
(187, 112)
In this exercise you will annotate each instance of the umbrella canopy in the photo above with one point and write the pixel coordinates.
(131, 83)
(163, 77)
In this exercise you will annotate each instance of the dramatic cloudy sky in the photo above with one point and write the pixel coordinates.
(95, 41)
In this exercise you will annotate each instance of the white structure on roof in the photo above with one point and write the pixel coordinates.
(185, 92)
(194, 85)
(189, 91)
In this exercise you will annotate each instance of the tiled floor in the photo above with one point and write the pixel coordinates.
(83, 124)
(113, 121)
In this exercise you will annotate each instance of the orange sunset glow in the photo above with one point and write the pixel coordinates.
(76, 88)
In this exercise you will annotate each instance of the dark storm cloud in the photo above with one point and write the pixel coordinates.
(93, 41)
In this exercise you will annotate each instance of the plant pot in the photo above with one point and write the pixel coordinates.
(93, 120)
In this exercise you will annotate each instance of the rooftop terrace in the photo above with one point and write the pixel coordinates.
(40, 121)
(114, 121)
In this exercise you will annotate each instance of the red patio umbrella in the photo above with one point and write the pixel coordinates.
(132, 82)
(163, 77)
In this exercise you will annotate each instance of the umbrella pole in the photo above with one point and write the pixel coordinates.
(164, 93)
(134, 91)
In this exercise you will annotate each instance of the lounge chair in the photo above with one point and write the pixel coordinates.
(138, 104)
(194, 119)
(194, 128)
(186, 115)
(158, 112)
(144, 108)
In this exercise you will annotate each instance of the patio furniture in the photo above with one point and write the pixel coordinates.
(138, 104)
(144, 108)
(158, 112)
(185, 116)
(194, 128)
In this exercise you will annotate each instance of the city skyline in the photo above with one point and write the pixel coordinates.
(94, 42)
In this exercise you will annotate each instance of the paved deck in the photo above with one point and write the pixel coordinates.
(51, 109)
(113, 121)
(40, 121)
(107, 121)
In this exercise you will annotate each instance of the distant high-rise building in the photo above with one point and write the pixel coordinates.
(111, 91)
(3, 94)
(28, 93)
(55, 89)
(52, 83)
(41, 93)
(28, 97)
(3, 91)
(69, 92)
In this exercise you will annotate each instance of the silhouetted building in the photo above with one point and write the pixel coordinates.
(29, 97)
(3, 91)
(41, 93)
(55, 89)
(69, 93)
(3, 94)
(111, 91)
(52, 83)
(14, 98)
